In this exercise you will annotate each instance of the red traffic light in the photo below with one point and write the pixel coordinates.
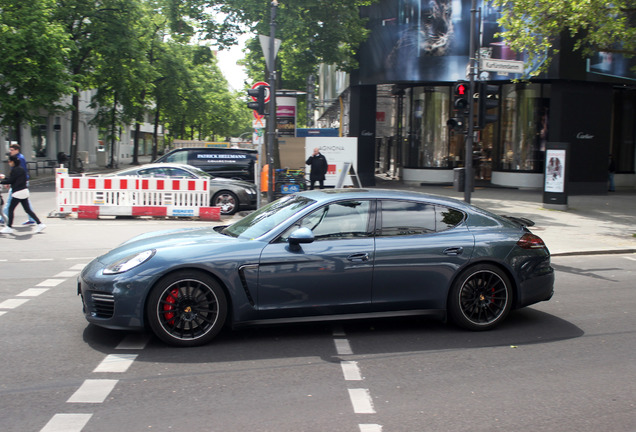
(461, 89)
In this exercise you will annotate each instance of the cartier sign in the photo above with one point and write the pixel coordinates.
(584, 136)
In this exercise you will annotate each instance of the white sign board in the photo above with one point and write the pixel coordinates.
(337, 151)
(506, 66)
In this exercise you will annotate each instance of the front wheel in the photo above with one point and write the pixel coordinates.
(228, 202)
(187, 308)
(480, 298)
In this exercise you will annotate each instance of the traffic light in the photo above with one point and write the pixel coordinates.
(460, 102)
(455, 123)
(488, 99)
(258, 95)
(460, 105)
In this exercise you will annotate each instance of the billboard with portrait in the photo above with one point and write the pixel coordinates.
(428, 40)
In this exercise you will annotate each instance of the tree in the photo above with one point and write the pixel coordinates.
(122, 69)
(533, 26)
(311, 31)
(32, 67)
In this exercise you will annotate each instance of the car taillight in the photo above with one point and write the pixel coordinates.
(530, 241)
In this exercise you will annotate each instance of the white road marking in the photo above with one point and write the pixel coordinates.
(32, 292)
(135, 341)
(35, 259)
(361, 401)
(50, 282)
(370, 428)
(351, 371)
(338, 331)
(67, 423)
(2, 312)
(93, 391)
(343, 347)
(12, 303)
(630, 258)
(117, 363)
(66, 274)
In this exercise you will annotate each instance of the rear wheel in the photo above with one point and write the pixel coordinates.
(187, 308)
(227, 201)
(480, 298)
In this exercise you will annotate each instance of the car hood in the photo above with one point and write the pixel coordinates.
(158, 240)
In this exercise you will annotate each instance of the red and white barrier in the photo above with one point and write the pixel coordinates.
(91, 197)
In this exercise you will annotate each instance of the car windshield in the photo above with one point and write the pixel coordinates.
(199, 172)
(266, 218)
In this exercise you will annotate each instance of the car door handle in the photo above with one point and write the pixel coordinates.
(358, 257)
(453, 251)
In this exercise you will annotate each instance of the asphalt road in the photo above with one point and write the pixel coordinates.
(564, 365)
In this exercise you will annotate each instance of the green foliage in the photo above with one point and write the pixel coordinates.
(311, 31)
(142, 57)
(533, 26)
(32, 60)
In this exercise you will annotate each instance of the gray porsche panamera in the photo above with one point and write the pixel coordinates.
(322, 255)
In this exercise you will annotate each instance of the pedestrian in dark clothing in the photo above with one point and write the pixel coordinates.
(19, 195)
(15, 150)
(318, 164)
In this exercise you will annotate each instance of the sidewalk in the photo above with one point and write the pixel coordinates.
(592, 224)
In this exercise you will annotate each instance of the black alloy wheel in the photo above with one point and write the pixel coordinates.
(187, 308)
(480, 298)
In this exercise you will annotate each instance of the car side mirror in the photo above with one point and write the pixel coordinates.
(301, 235)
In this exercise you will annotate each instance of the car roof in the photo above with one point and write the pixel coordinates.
(161, 165)
(214, 149)
(353, 193)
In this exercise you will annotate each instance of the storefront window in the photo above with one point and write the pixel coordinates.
(428, 135)
(524, 127)
(39, 137)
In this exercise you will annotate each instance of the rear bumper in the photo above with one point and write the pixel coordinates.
(537, 289)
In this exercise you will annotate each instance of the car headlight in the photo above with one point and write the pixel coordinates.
(130, 262)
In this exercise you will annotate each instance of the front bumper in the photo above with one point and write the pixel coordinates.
(111, 302)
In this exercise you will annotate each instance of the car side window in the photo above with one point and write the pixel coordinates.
(401, 218)
(152, 172)
(346, 219)
(447, 218)
(178, 172)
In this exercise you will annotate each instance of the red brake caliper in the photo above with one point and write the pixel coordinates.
(169, 306)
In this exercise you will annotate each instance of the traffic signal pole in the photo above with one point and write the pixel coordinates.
(271, 122)
(469, 177)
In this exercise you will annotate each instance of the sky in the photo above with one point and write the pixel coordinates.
(234, 74)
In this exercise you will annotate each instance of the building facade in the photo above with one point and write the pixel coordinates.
(401, 98)
(52, 134)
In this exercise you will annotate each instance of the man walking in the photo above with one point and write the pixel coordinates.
(318, 164)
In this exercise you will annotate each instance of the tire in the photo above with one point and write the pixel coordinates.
(228, 202)
(480, 298)
(187, 308)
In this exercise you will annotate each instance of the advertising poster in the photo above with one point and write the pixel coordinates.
(337, 151)
(286, 116)
(428, 40)
(555, 171)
